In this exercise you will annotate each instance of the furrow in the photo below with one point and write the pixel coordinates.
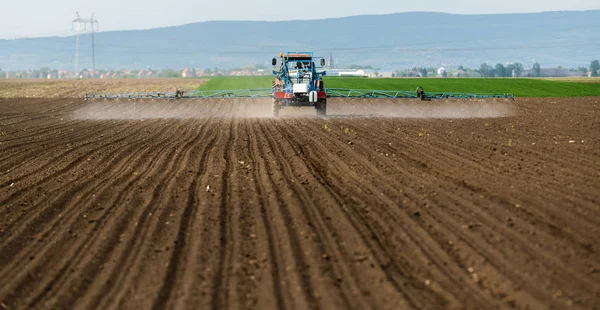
(221, 278)
(184, 235)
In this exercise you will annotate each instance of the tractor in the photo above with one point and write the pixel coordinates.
(298, 83)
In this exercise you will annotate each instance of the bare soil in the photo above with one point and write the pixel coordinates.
(18, 88)
(214, 205)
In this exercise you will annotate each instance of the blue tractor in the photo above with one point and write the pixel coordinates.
(298, 83)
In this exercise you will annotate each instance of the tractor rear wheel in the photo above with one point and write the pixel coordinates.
(321, 107)
(275, 108)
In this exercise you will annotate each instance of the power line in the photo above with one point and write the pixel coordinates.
(76, 24)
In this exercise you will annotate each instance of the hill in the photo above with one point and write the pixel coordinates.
(568, 39)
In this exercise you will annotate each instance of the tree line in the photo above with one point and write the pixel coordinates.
(485, 70)
(515, 69)
(500, 70)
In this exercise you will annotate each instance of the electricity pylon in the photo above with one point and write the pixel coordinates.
(76, 25)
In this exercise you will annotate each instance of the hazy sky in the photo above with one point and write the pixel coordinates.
(32, 18)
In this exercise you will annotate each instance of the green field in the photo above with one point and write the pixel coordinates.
(518, 87)
(236, 82)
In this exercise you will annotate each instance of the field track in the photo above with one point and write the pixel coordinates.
(107, 205)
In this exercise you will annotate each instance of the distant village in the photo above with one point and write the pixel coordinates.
(124, 73)
(500, 70)
(192, 73)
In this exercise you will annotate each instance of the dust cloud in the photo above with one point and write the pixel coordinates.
(130, 109)
(411, 108)
(261, 108)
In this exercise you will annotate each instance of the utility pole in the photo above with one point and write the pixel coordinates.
(76, 24)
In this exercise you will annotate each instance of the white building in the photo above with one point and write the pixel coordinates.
(361, 73)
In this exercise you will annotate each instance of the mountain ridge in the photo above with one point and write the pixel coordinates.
(397, 40)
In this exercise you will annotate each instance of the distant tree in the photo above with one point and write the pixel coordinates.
(582, 69)
(207, 72)
(537, 69)
(461, 68)
(423, 72)
(594, 67)
(516, 67)
(509, 70)
(445, 74)
(43, 72)
(500, 70)
(486, 70)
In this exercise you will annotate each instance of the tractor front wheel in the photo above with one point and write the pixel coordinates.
(321, 107)
(275, 108)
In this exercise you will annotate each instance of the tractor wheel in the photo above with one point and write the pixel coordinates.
(276, 107)
(321, 108)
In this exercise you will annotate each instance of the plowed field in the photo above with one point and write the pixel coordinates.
(383, 205)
